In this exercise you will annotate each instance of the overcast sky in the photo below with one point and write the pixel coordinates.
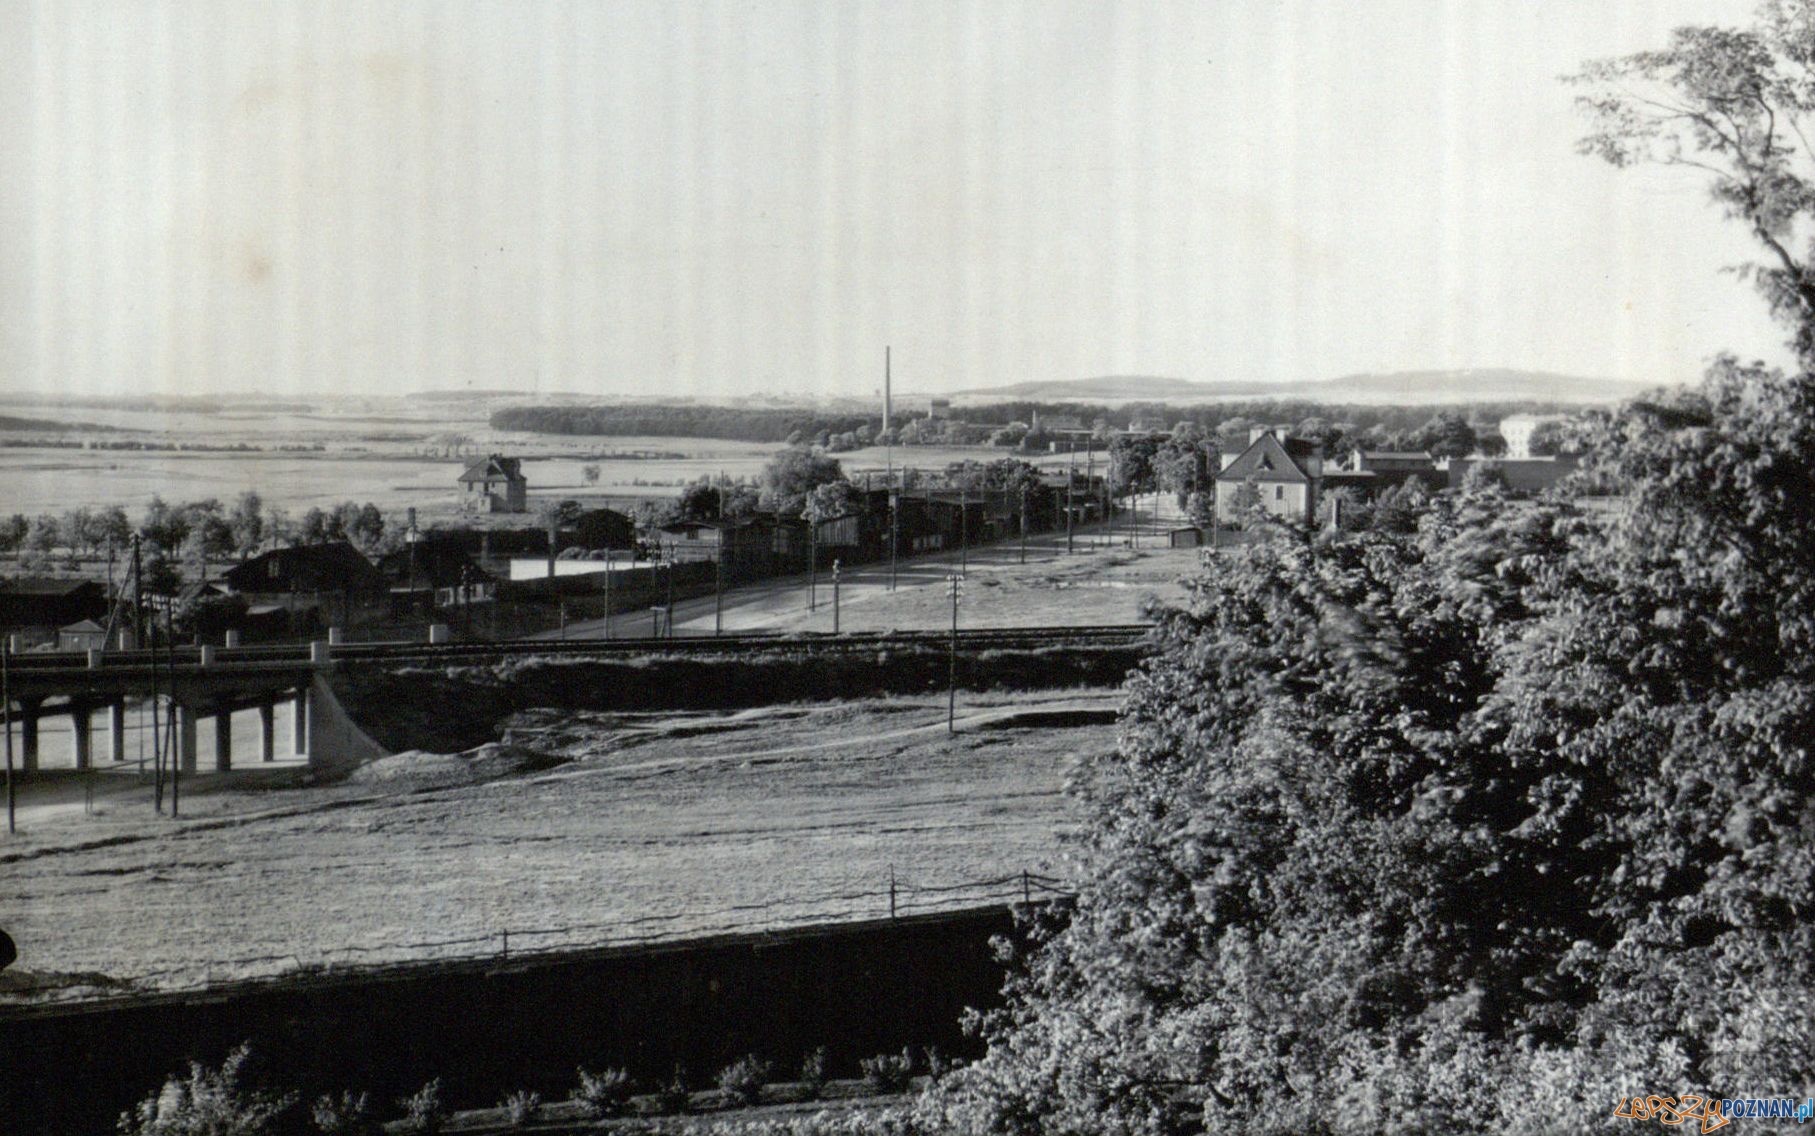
(709, 199)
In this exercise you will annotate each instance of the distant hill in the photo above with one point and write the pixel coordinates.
(1484, 385)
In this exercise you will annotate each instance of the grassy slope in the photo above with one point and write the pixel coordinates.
(681, 815)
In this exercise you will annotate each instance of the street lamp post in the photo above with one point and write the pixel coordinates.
(835, 566)
(812, 564)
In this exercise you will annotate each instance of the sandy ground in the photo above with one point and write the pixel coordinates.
(586, 828)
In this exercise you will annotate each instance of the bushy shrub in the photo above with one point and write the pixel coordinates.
(742, 1081)
(888, 1072)
(674, 1096)
(345, 1114)
(813, 1072)
(423, 1112)
(209, 1102)
(522, 1107)
(602, 1094)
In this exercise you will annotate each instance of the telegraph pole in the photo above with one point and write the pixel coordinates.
(1024, 520)
(1071, 456)
(812, 563)
(175, 744)
(951, 668)
(964, 536)
(718, 571)
(835, 597)
(6, 711)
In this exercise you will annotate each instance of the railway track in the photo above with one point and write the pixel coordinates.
(969, 639)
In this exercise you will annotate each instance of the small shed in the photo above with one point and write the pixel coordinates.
(1188, 537)
(84, 635)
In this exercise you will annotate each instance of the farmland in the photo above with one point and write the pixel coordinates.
(299, 461)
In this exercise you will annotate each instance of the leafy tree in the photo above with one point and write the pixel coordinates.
(367, 526)
(247, 522)
(315, 527)
(1131, 465)
(699, 501)
(13, 531)
(793, 473)
(213, 533)
(1478, 819)
(1548, 438)
(1730, 106)
(109, 530)
(832, 499)
(164, 526)
(589, 473)
(1447, 435)
(45, 535)
(75, 529)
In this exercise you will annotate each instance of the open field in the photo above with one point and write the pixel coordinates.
(613, 826)
(381, 457)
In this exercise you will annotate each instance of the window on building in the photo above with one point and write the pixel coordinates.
(1279, 493)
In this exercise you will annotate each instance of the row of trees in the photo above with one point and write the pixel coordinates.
(192, 533)
(1446, 432)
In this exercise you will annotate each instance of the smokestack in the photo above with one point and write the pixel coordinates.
(887, 392)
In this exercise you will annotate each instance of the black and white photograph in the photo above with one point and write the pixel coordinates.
(907, 567)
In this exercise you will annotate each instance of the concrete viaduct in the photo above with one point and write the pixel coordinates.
(216, 682)
(199, 683)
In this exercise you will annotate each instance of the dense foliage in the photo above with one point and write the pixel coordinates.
(1461, 829)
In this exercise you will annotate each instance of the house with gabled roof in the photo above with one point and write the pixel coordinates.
(495, 484)
(1281, 475)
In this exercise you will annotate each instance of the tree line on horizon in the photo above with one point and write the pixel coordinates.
(803, 426)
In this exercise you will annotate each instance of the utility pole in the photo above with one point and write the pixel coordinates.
(835, 565)
(1024, 520)
(964, 535)
(1071, 458)
(718, 567)
(812, 562)
(951, 667)
(6, 712)
(608, 574)
(175, 744)
(670, 613)
(894, 527)
(889, 457)
(157, 731)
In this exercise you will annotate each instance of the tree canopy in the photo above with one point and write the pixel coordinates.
(1492, 813)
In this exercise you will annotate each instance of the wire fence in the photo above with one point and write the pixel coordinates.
(901, 898)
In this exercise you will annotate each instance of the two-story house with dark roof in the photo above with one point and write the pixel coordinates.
(495, 484)
(1279, 474)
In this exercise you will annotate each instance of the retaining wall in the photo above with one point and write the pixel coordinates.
(489, 1028)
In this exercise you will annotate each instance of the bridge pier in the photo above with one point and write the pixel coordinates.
(116, 730)
(267, 730)
(80, 733)
(185, 736)
(223, 737)
(299, 723)
(28, 733)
